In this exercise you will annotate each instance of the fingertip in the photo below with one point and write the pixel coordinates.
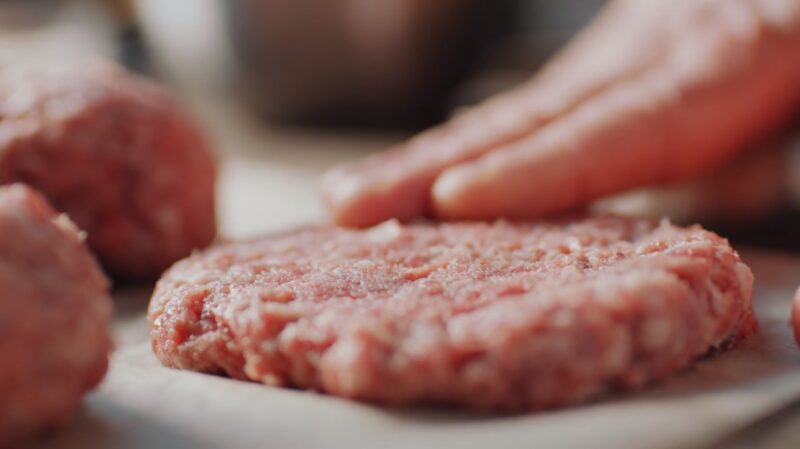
(448, 194)
(337, 187)
(341, 193)
(358, 199)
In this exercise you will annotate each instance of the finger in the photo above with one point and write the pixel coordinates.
(397, 183)
(749, 189)
(707, 102)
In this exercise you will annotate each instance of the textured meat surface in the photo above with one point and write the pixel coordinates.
(54, 324)
(118, 155)
(494, 316)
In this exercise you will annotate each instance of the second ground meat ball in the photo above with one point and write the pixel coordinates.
(55, 312)
(117, 154)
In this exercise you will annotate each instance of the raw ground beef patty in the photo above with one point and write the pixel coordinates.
(118, 154)
(493, 316)
(55, 312)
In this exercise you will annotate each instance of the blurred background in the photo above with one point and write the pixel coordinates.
(395, 64)
(288, 88)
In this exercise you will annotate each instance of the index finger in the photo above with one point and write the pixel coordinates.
(714, 98)
(397, 183)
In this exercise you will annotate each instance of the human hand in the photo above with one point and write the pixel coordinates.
(652, 91)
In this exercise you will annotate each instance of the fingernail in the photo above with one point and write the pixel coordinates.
(446, 191)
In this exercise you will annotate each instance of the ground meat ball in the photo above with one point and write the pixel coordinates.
(54, 324)
(488, 316)
(118, 155)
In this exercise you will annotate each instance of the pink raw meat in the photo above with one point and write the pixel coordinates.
(483, 315)
(54, 323)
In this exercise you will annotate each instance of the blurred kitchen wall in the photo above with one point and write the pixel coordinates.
(387, 63)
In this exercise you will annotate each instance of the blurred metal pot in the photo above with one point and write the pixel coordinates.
(386, 62)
